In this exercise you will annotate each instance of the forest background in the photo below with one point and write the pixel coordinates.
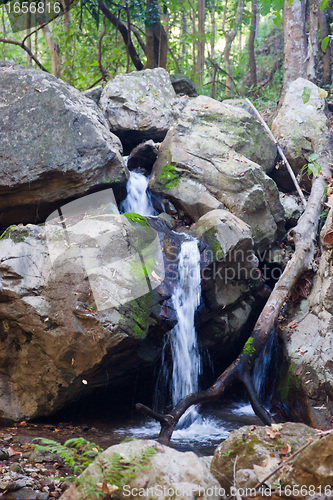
(230, 48)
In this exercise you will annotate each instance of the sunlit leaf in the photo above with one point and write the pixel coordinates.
(324, 42)
(265, 7)
(277, 18)
(322, 93)
(306, 95)
(313, 156)
(323, 4)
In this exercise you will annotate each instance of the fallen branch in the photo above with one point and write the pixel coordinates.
(24, 47)
(304, 235)
(281, 153)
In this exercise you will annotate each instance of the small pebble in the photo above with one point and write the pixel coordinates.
(16, 467)
(4, 455)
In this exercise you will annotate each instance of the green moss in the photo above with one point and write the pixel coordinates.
(248, 347)
(288, 380)
(213, 244)
(169, 176)
(136, 218)
(137, 317)
(141, 268)
(17, 235)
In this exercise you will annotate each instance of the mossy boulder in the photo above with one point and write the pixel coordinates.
(202, 166)
(71, 317)
(298, 127)
(147, 469)
(250, 445)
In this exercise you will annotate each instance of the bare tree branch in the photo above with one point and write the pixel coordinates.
(24, 47)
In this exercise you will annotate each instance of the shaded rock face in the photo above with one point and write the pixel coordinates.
(143, 156)
(57, 343)
(298, 127)
(55, 145)
(293, 208)
(202, 166)
(308, 343)
(183, 85)
(94, 94)
(140, 105)
(168, 473)
(256, 448)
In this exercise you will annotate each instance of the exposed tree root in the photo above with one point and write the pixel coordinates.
(304, 235)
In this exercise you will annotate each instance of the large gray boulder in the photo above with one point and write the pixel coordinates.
(147, 469)
(73, 302)
(54, 145)
(205, 163)
(298, 127)
(140, 105)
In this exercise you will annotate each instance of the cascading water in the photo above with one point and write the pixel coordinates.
(184, 347)
(138, 198)
(263, 365)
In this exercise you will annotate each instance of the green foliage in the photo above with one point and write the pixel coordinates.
(248, 347)
(313, 167)
(77, 453)
(136, 218)
(6, 231)
(306, 94)
(324, 43)
(118, 471)
(323, 4)
(169, 176)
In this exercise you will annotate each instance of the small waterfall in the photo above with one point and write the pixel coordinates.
(184, 347)
(138, 198)
(263, 365)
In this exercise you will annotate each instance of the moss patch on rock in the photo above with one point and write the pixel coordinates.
(169, 176)
(136, 316)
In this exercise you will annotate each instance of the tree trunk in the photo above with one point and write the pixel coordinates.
(28, 30)
(183, 27)
(67, 16)
(312, 62)
(295, 50)
(229, 38)
(156, 37)
(201, 41)
(54, 50)
(213, 30)
(194, 43)
(325, 54)
(124, 33)
(252, 36)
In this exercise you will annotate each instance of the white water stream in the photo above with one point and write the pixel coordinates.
(184, 347)
(138, 198)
